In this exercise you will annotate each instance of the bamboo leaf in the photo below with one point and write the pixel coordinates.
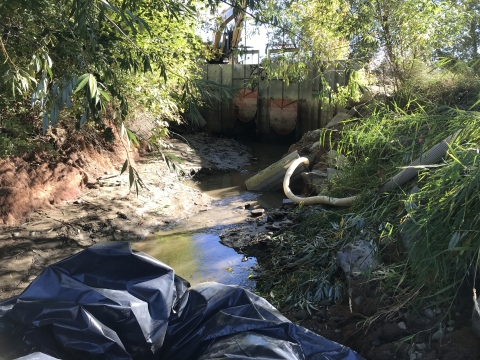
(124, 167)
(105, 95)
(454, 240)
(92, 84)
(131, 177)
(132, 137)
(81, 82)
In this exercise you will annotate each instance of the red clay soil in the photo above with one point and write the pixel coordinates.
(41, 179)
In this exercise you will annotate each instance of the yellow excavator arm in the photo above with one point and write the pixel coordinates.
(225, 42)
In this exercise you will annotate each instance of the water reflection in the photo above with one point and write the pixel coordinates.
(223, 186)
(199, 257)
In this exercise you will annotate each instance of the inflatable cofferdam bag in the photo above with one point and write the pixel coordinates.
(108, 302)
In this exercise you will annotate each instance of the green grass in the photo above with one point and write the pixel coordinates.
(444, 215)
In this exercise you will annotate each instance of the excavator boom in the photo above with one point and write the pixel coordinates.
(225, 42)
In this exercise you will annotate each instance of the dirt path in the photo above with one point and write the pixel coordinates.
(109, 211)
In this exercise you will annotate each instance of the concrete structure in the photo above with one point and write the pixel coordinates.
(273, 106)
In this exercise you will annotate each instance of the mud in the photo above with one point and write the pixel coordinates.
(102, 208)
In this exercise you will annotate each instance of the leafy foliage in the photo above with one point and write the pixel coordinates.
(441, 217)
(390, 36)
(302, 269)
(81, 54)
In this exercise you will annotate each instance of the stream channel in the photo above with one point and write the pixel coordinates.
(192, 246)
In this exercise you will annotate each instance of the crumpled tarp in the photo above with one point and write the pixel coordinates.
(108, 302)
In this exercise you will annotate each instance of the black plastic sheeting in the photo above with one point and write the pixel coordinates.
(108, 302)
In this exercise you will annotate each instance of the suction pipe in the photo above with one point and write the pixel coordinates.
(432, 156)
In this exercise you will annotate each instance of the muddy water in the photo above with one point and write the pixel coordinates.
(192, 246)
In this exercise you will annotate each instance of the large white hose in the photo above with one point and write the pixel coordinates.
(312, 200)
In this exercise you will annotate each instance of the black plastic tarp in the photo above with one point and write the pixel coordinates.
(108, 302)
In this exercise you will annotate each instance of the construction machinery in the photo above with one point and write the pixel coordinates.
(226, 40)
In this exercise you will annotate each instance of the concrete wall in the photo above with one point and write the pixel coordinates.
(280, 109)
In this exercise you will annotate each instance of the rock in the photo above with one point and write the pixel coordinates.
(418, 323)
(16, 234)
(314, 147)
(450, 328)
(392, 332)
(450, 322)
(314, 134)
(122, 215)
(322, 314)
(302, 315)
(333, 173)
(277, 215)
(32, 233)
(376, 342)
(273, 227)
(421, 346)
(287, 203)
(316, 181)
(438, 335)
(247, 206)
(359, 300)
(257, 212)
(357, 257)
(336, 160)
(429, 313)
(78, 202)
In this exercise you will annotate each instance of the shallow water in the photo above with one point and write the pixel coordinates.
(200, 257)
(192, 247)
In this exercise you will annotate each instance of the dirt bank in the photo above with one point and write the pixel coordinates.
(84, 201)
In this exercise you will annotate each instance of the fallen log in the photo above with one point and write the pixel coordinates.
(271, 178)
